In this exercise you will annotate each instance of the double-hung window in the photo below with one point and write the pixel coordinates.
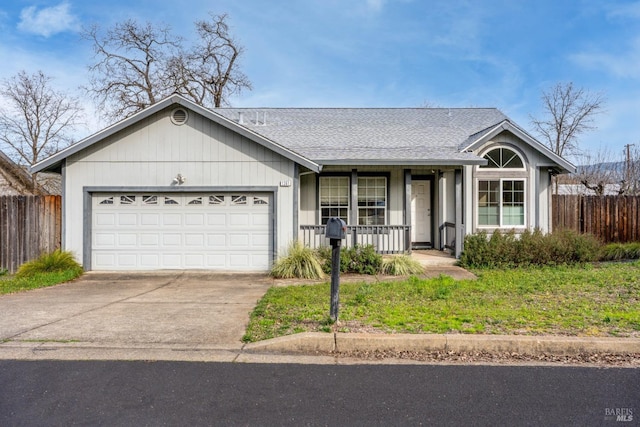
(501, 202)
(372, 200)
(334, 198)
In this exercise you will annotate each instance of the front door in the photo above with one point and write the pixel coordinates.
(421, 213)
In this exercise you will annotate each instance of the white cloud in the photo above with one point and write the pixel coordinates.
(375, 5)
(47, 21)
(629, 10)
(620, 64)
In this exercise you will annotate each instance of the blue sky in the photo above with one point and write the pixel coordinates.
(375, 53)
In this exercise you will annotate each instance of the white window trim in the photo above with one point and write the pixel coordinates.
(319, 196)
(386, 199)
(501, 216)
(516, 152)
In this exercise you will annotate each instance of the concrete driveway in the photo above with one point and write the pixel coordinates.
(134, 311)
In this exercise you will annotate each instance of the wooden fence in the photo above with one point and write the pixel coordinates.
(610, 218)
(29, 227)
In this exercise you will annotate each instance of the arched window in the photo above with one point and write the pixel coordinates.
(503, 158)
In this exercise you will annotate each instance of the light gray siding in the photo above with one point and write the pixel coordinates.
(150, 153)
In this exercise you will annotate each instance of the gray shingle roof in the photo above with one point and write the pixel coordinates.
(334, 135)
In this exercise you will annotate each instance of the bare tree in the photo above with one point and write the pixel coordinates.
(209, 72)
(130, 72)
(139, 65)
(36, 121)
(568, 113)
(630, 181)
(598, 171)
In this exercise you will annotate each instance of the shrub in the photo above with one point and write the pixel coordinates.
(620, 251)
(506, 250)
(363, 260)
(401, 265)
(55, 261)
(300, 262)
(359, 259)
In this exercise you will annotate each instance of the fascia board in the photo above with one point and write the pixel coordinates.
(167, 102)
(508, 126)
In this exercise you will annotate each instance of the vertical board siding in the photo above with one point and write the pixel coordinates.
(29, 227)
(609, 218)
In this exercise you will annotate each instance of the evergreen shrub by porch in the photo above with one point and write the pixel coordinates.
(506, 250)
(361, 259)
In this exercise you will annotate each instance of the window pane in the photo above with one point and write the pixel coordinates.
(503, 158)
(372, 195)
(513, 202)
(334, 198)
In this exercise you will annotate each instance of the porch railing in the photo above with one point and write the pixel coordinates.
(448, 236)
(386, 239)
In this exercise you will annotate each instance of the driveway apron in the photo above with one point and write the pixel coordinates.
(175, 308)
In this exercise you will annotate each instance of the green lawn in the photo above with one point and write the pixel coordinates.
(10, 283)
(602, 300)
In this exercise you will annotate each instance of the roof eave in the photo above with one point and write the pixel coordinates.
(54, 162)
(562, 165)
(407, 162)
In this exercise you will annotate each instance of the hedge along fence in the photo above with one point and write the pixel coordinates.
(609, 218)
(29, 227)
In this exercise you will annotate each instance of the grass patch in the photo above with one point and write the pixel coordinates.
(11, 284)
(47, 270)
(586, 300)
(55, 261)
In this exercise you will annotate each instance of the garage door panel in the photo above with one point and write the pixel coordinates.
(219, 219)
(127, 219)
(176, 231)
(171, 240)
(150, 239)
(127, 259)
(239, 220)
(169, 219)
(147, 219)
(194, 240)
(149, 261)
(194, 260)
(127, 240)
(105, 240)
(102, 219)
(194, 219)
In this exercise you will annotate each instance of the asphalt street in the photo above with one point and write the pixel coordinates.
(181, 393)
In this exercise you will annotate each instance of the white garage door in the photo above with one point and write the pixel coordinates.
(146, 231)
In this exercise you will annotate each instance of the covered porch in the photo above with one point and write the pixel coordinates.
(396, 210)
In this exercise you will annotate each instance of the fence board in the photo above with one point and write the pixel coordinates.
(610, 218)
(29, 226)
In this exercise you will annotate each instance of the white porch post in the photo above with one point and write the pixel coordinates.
(460, 230)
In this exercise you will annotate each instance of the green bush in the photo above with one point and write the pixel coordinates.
(359, 259)
(620, 251)
(531, 248)
(300, 262)
(401, 265)
(56, 261)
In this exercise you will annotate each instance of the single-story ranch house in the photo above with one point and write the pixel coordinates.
(179, 186)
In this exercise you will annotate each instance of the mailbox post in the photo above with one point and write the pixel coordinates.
(336, 231)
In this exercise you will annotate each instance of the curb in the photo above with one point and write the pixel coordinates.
(319, 342)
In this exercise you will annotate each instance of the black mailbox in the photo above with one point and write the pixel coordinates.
(336, 229)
